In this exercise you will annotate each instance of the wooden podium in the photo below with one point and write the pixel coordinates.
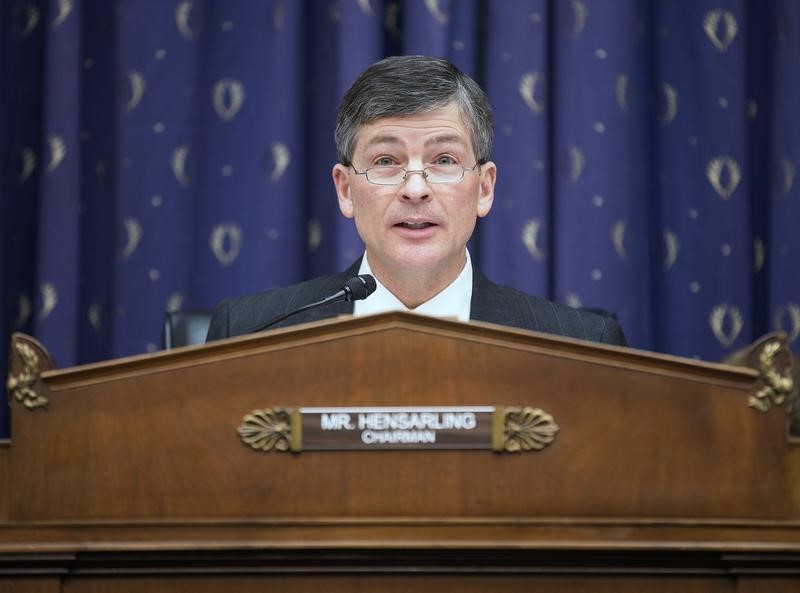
(621, 470)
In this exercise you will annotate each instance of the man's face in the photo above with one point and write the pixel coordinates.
(415, 227)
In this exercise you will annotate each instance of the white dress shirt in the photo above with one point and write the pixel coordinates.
(453, 302)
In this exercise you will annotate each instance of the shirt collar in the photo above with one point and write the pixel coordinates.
(453, 301)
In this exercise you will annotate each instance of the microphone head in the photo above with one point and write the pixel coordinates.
(359, 287)
(369, 284)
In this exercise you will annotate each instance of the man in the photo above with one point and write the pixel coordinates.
(414, 136)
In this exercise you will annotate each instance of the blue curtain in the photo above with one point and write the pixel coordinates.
(164, 154)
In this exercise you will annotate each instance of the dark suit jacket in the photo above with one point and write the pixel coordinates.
(490, 302)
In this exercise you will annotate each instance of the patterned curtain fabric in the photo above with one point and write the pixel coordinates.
(164, 154)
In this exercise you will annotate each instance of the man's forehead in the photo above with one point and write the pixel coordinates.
(431, 129)
(435, 139)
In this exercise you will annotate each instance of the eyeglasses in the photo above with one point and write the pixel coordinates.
(397, 175)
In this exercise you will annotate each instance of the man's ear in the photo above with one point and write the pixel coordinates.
(341, 181)
(486, 188)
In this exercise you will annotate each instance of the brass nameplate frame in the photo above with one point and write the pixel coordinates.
(496, 428)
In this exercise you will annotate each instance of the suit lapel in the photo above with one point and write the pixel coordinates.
(489, 303)
(482, 305)
(495, 304)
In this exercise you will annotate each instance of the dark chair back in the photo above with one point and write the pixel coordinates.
(184, 328)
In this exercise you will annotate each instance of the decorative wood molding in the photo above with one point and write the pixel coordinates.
(776, 374)
(25, 363)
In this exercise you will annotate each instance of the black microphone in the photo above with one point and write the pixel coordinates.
(355, 289)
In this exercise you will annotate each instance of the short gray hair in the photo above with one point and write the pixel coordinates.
(408, 85)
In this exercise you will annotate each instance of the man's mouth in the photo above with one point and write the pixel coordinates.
(415, 225)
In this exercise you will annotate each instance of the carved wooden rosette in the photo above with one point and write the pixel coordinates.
(272, 429)
(523, 429)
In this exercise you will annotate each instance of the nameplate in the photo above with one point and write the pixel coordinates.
(397, 428)
(496, 428)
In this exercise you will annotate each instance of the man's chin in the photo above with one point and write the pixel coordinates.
(419, 262)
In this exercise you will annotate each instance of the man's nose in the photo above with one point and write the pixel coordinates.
(415, 185)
